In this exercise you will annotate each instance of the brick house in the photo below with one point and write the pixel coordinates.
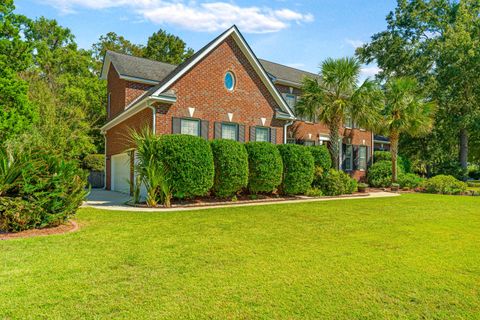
(222, 91)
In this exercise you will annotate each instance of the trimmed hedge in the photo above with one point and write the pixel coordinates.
(444, 185)
(231, 167)
(409, 180)
(265, 167)
(380, 174)
(188, 163)
(402, 162)
(337, 182)
(298, 168)
(321, 157)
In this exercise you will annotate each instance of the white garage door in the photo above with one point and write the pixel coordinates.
(121, 173)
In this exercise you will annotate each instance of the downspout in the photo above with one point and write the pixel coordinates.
(105, 161)
(154, 118)
(372, 147)
(285, 131)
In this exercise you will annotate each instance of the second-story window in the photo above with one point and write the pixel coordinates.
(348, 122)
(291, 100)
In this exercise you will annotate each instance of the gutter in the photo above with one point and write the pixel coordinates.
(285, 131)
(154, 118)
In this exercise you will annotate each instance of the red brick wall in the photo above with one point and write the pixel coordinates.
(203, 88)
(133, 90)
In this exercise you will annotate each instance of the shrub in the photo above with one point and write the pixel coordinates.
(382, 156)
(380, 174)
(314, 192)
(321, 157)
(47, 192)
(444, 185)
(474, 172)
(298, 167)
(409, 180)
(265, 167)
(188, 164)
(231, 167)
(337, 182)
(403, 163)
(94, 162)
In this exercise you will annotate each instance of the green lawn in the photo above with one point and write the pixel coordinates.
(414, 256)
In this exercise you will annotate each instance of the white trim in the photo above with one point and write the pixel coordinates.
(285, 131)
(106, 68)
(140, 80)
(251, 58)
(154, 119)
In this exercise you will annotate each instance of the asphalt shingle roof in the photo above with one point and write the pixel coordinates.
(283, 72)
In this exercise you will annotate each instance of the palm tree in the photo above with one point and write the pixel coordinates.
(337, 95)
(406, 111)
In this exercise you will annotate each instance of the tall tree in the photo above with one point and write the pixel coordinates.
(166, 47)
(114, 42)
(435, 41)
(16, 112)
(405, 112)
(338, 95)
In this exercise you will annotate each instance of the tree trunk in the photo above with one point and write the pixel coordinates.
(394, 137)
(335, 144)
(464, 148)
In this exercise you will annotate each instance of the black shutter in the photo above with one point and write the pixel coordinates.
(344, 152)
(241, 133)
(356, 157)
(369, 157)
(252, 134)
(273, 135)
(218, 130)
(176, 125)
(204, 129)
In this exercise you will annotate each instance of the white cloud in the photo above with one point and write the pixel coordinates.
(369, 72)
(354, 43)
(204, 16)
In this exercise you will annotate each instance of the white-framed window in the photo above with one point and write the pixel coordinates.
(190, 126)
(291, 100)
(262, 134)
(229, 81)
(348, 157)
(348, 122)
(362, 158)
(230, 131)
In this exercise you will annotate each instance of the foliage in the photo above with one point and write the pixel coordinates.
(380, 174)
(48, 191)
(150, 169)
(114, 42)
(231, 167)
(298, 168)
(94, 162)
(337, 182)
(321, 157)
(166, 47)
(188, 163)
(409, 180)
(314, 192)
(403, 163)
(444, 184)
(474, 172)
(337, 96)
(265, 167)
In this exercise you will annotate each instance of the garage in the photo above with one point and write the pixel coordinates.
(121, 173)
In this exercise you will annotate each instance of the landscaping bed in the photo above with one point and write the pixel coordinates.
(70, 226)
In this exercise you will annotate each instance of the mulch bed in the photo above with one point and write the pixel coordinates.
(212, 201)
(61, 229)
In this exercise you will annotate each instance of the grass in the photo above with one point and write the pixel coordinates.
(414, 256)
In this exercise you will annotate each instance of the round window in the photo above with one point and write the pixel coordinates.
(229, 81)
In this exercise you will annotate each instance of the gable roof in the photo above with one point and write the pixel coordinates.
(285, 74)
(161, 89)
(136, 68)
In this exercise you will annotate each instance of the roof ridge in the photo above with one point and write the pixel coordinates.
(285, 66)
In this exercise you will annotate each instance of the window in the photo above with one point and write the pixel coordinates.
(362, 158)
(309, 143)
(109, 99)
(348, 122)
(190, 126)
(229, 131)
(262, 134)
(348, 164)
(229, 81)
(291, 100)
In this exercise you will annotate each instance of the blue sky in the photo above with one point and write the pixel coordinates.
(296, 33)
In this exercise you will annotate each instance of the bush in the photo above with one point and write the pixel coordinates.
(314, 192)
(94, 162)
(409, 180)
(231, 167)
(321, 157)
(298, 167)
(380, 174)
(444, 185)
(265, 167)
(337, 182)
(47, 192)
(474, 172)
(188, 164)
(382, 156)
(403, 163)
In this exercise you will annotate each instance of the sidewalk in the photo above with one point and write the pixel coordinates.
(110, 200)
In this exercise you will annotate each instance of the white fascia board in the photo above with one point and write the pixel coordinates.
(134, 109)
(140, 80)
(288, 83)
(251, 58)
(105, 67)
